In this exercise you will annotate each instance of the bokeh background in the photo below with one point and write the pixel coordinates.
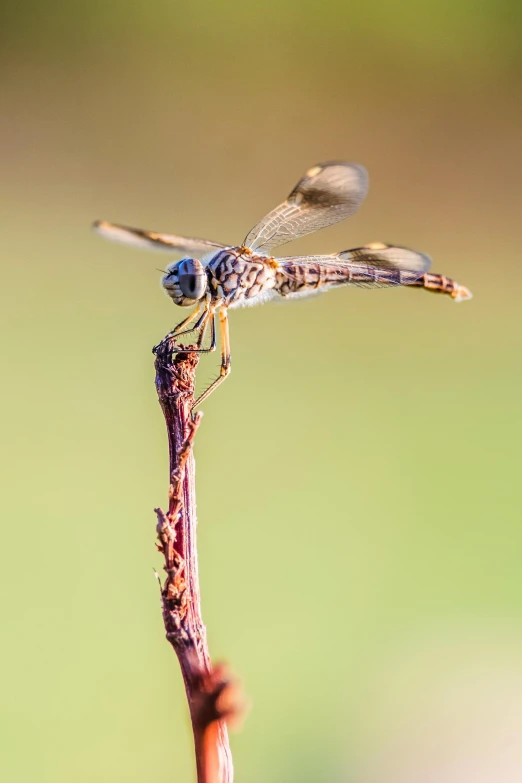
(359, 487)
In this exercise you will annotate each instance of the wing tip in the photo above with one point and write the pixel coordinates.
(358, 167)
(100, 226)
(423, 260)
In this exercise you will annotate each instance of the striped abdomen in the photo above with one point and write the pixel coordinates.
(438, 284)
(295, 278)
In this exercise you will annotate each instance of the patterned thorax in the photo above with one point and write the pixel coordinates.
(237, 276)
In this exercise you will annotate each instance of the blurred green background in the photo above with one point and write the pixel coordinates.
(359, 488)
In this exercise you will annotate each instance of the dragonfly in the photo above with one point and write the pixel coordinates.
(214, 278)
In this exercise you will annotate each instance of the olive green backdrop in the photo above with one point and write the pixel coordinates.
(359, 475)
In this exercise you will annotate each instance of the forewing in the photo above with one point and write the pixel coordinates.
(152, 240)
(372, 266)
(327, 194)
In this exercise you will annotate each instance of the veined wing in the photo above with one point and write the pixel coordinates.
(372, 266)
(152, 240)
(328, 193)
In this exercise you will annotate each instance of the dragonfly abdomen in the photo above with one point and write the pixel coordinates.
(295, 278)
(439, 284)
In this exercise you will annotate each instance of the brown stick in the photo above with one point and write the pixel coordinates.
(210, 692)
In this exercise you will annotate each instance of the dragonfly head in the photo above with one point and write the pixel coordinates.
(185, 281)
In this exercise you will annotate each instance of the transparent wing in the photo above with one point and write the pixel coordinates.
(372, 266)
(151, 240)
(328, 193)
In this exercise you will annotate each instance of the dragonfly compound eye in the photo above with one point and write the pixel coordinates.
(192, 278)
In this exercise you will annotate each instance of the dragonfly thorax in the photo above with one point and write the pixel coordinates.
(185, 281)
(237, 276)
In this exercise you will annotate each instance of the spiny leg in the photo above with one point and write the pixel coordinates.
(205, 311)
(201, 307)
(438, 284)
(225, 357)
(201, 324)
(209, 318)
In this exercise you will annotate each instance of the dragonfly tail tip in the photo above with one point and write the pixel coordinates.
(461, 294)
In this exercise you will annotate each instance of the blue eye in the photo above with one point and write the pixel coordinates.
(192, 278)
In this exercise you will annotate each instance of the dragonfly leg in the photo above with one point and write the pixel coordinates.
(179, 328)
(205, 312)
(225, 357)
(201, 322)
(209, 318)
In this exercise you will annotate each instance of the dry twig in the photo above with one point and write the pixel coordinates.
(211, 694)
